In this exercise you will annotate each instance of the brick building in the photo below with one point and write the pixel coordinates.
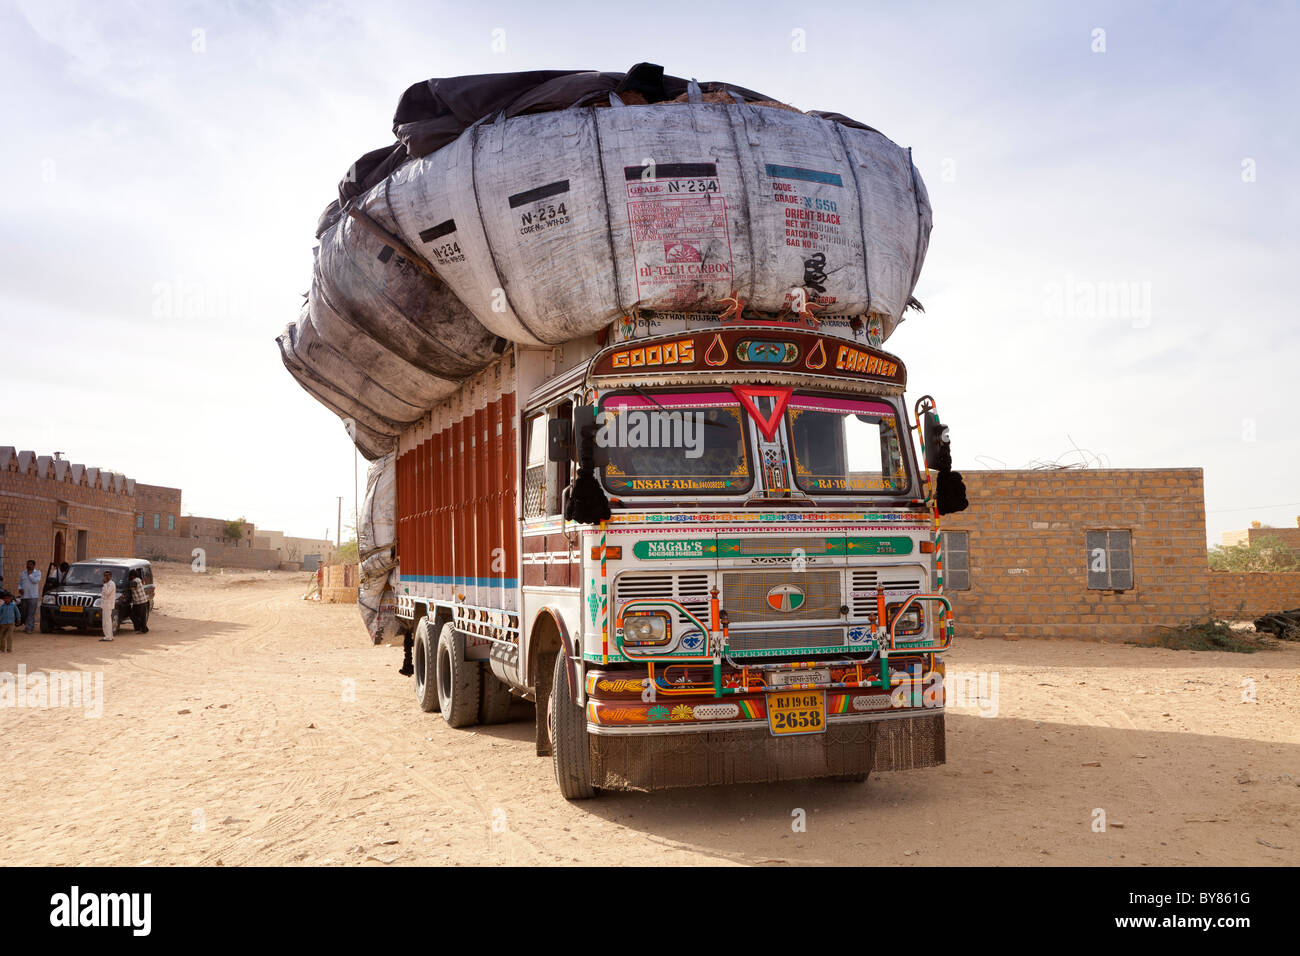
(204, 531)
(158, 509)
(1078, 553)
(56, 510)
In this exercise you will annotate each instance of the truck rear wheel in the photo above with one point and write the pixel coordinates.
(425, 653)
(494, 701)
(568, 725)
(458, 679)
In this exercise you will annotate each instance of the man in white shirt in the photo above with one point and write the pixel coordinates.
(29, 593)
(107, 600)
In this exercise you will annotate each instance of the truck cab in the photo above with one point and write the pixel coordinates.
(729, 566)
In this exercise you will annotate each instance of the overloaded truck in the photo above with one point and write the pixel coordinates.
(614, 345)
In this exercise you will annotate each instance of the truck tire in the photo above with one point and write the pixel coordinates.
(494, 699)
(47, 625)
(458, 679)
(426, 667)
(568, 726)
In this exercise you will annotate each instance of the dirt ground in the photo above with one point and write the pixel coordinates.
(251, 727)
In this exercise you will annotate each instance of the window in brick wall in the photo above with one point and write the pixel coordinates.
(157, 521)
(171, 522)
(956, 560)
(1110, 560)
(139, 521)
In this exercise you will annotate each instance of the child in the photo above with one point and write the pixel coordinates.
(8, 620)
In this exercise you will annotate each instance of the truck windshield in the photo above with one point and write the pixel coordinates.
(674, 442)
(845, 446)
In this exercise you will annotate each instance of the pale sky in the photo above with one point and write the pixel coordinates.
(165, 166)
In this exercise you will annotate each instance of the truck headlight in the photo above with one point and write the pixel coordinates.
(911, 623)
(646, 629)
(97, 602)
(49, 599)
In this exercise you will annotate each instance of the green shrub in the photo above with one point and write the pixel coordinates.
(1262, 554)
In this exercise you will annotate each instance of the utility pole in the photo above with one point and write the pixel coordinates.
(338, 534)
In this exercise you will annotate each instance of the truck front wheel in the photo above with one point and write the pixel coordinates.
(458, 679)
(426, 667)
(47, 624)
(568, 727)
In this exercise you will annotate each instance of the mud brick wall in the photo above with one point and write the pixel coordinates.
(44, 502)
(1249, 594)
(1028, 554)
(216, 555)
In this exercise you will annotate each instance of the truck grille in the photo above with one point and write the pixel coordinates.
(763, 640)
(80, 600)
(744, 595)
(863, 583)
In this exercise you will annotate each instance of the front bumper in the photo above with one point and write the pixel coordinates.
(902, 741)
(88, 617)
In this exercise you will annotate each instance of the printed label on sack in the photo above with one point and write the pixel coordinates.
(811, 200)
(543, 208)
(680, 241)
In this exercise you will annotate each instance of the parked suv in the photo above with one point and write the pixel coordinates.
(75, 602)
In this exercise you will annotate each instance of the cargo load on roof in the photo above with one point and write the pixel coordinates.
(536, 208)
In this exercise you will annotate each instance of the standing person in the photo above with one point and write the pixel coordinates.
(8, 618)
(29, 590)
(139, 602)
(61, 576)
(107, 600)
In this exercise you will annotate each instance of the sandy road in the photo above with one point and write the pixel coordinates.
(249, 727)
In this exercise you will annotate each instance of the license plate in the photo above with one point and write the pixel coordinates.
(69, 609)
(796, 712)
(808, 675)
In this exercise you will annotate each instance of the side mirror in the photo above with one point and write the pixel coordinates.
(588, 504)
(588, 437)
(559, 439)
(938, 447)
